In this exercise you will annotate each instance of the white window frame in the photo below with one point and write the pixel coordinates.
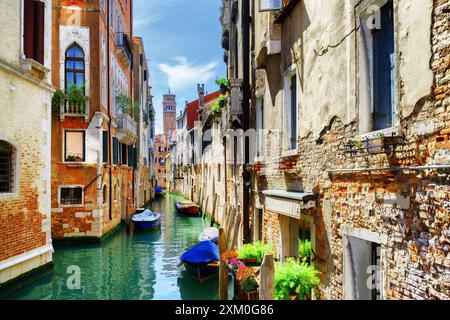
(71, 186)
(287, 149)
(260, 128)
(64, 146)
(16, 164)
(365, 75)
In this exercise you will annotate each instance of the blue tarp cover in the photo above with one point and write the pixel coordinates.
(204, 252)
(158, 189)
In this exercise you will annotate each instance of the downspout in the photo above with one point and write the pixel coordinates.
(246, 109)
(132, 92)
(110, 149)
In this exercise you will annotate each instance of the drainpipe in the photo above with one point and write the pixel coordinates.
(246, 110)
(108, 95)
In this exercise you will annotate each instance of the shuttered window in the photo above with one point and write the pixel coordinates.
(384, 70)
(115, 151)
(33, 30)
(105, 146)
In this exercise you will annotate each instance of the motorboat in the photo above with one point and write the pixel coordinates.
(187, 207)
(209, 234)
(146, 219)
(202, 261)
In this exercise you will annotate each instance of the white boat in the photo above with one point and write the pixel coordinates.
(209, 234)
(146, 220)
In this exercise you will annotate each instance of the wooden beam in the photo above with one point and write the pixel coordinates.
(236, 228)
(231, 224)
(223, 270)
(267, 275)
(213, 217)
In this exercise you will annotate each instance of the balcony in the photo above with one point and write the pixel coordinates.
(74, 109)
(123, 47)
(127, 129)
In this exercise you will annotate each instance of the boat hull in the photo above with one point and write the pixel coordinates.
(146, 225)
(201, 272)
(188, 210)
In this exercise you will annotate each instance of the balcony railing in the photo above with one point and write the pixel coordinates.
(123, 45)
(73, 109)
(127, 129)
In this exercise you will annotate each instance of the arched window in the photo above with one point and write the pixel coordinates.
(7, 168)
(75, 67)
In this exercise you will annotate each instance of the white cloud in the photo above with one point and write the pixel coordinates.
(184, 74)
(148, 12)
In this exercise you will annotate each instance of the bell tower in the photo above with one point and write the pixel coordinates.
(169, 116)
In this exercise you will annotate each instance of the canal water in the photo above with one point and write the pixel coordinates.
(139, 266)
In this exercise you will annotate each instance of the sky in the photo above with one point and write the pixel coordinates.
(182, 40)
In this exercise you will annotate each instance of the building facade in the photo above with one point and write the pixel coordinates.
(98, 118)
(25, 137)
(351, 112)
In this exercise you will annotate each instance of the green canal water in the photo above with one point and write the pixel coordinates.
(139, 266)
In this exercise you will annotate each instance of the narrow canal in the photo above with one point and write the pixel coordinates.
(140, 266)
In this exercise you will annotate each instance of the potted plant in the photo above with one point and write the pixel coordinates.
(253, 254)
(294, 280)
(228, 255)
(224, 85)
(247, 280)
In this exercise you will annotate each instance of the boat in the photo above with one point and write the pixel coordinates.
(209, 234)
(146, 219)
(187, 207)
(202, 261)
(159, 191)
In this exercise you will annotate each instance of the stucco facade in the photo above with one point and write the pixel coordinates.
(25, 135)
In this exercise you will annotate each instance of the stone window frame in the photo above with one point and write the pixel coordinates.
(71, 186)
(15, 159)
(364, 85)
(287, 150)
(105, 199)
(64, 146)
(369, 236)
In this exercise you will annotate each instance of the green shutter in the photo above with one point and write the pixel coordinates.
(105, 146)
(115, 151)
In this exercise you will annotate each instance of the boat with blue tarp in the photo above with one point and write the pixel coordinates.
(202, 261)
(146, 219)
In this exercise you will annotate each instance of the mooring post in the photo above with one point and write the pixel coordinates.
(267, 275)
(223, 270)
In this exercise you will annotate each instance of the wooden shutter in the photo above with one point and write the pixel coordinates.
(384, 70)
(115, 151)
(39, 14)
(105, 146)
(28, 28)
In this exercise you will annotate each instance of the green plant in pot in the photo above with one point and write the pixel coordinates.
(224, 85)
(254, 253)
(294, 279)
(125, 105)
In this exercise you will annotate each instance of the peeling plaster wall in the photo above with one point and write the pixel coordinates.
(25, 99)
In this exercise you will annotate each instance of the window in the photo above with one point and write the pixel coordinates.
(260, 126)
(105, 194)
(6, 167)
(33, 30)
(115, 151)
(290, 110)
(71, 196)
(75, 72)
(74, 150)
(123, 154)
(105, 146)
(111, 13)
(269, 5)
(384, 70)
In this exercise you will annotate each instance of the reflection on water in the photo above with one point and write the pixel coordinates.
(139, 266)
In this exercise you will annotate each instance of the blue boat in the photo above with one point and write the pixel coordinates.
(159, 191)
(202, 261)
(146, 220)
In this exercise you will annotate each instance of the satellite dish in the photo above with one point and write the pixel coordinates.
(269, 5)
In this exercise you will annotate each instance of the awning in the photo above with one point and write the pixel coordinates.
(288, 203)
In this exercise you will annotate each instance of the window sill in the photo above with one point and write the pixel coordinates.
(34, 68)
(289, 153)
(388, 132)
(71, 205)
(9, 195)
